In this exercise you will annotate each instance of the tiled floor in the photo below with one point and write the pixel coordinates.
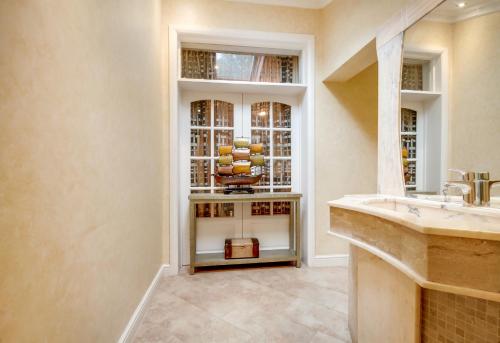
(271, 304)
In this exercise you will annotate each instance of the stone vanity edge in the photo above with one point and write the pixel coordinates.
(354, 203)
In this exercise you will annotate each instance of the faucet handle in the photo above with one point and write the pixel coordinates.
(458, 171)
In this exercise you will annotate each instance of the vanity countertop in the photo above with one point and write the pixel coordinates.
(441, 246)
(426, 216)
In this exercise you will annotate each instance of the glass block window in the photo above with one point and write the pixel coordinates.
(409, 137)
(222, 137)
(271, 124)
(282, 175)
(282, 143)
(200, 142)
(281, 207)
(282, 115)
(224, 114)
(410, 143)
(262, 136)
(408, 120)
(200, 173)
(213, 123)
(208, 132)
(261, 113)
(261, 208)
(239, 66)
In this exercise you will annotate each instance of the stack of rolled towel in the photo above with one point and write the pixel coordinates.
(241, 156)
(243, 159)
(225, 164)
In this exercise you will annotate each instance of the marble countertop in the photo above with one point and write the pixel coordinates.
(439, 245)
(426, 216)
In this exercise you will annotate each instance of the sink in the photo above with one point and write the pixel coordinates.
(431, 217)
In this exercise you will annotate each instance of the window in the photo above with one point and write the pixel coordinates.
(409, 147)
(272, 125)
(239, 66)
(215, 121)
(208, 132)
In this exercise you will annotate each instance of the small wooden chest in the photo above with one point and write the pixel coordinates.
(241, 248)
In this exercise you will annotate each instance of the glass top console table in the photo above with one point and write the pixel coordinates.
(292, 254)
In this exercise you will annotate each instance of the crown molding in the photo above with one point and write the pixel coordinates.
(472, 12)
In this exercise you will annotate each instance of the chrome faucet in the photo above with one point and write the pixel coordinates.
(475, 187)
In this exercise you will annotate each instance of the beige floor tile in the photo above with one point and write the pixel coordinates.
(319, 318)
(283, 304)
(270, 327)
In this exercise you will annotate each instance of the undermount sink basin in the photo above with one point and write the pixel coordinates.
(431, 217)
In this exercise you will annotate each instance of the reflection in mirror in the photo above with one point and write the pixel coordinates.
(450, 100)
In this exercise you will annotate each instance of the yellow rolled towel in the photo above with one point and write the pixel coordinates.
(241, 142)
(256, 148)
(404, 152)
(225, 149)
(225, 160)
(241, 167)
(257, 160)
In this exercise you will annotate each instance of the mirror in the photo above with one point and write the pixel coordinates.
(450, 98)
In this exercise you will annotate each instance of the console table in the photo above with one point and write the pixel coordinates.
(265, 256)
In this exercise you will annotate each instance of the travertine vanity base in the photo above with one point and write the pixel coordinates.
(411, 282)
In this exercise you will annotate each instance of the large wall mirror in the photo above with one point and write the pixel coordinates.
(450, 98)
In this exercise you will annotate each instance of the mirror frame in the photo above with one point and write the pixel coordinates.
(390, 179)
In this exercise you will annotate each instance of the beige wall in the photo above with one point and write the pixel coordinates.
(474, 70)
(475, 121)
(348, 25)
(346, 113)
(346, 148)
(234, 15)
(80, 166)
(430, 35)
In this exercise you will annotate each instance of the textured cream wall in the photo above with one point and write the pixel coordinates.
(475, 124)
(232, 15)
(348, 25)
(474, 66)
(80, 166)
(346, 148)
(346, 113)
(430, 34)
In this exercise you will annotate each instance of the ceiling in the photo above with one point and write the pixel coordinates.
(450, 12)
(290, 3)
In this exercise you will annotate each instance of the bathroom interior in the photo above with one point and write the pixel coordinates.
(250, 171)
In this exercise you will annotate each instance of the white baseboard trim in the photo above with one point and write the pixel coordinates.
(339, 260)
(169, 270)
(165, 270)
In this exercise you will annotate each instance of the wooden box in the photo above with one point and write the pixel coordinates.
(241, 248)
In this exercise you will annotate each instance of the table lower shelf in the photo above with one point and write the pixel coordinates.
(266, 256)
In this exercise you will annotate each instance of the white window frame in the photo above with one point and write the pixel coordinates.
(241, 128)
(299, 42)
